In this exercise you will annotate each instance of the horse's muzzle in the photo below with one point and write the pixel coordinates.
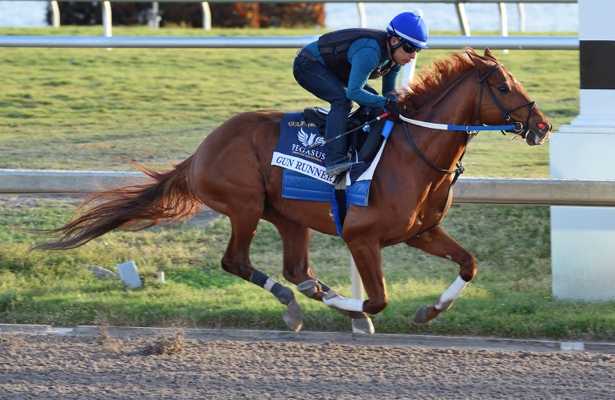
(538, 133)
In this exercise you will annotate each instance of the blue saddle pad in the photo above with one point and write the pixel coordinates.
(297, 186)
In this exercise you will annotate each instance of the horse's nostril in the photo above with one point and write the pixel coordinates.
(542, 126)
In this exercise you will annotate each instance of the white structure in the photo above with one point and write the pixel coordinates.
(583, 239)
(129, 275)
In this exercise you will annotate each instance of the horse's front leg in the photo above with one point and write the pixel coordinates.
(439, 243)
(368, 261)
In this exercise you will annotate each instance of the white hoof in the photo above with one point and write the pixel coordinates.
(293, 317)
(363, 325)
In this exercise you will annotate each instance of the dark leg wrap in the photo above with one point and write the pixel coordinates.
(311, 287)
(258, 278)
(281, 292)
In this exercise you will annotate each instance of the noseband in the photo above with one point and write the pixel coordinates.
(521, 129)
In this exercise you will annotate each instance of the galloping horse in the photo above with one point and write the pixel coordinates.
(231, 172)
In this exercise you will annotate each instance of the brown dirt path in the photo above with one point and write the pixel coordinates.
(69, 367)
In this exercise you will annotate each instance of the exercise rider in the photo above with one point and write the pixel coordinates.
(337, 66)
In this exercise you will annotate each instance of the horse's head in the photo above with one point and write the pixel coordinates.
(502, 99)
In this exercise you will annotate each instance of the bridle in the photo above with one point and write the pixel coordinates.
(520, 128)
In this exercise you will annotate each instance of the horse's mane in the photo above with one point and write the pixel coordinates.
(431, 81)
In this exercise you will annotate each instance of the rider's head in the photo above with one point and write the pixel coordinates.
(408, 31)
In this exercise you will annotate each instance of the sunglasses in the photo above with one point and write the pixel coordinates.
(410, 48)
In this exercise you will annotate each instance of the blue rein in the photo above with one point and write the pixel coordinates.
(463, 128)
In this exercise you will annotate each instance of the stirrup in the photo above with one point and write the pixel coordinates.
(336, 169)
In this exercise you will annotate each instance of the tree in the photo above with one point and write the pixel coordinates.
(223, 15)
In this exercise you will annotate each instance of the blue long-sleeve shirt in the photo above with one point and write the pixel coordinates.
(364, 56)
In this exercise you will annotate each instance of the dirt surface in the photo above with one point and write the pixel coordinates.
(69, 367)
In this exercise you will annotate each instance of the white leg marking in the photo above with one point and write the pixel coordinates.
(452, 292)
(343, 303)
(269, 284)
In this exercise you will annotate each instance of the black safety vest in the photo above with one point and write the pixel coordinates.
(333, 47)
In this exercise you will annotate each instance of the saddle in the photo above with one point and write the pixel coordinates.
(362, 144)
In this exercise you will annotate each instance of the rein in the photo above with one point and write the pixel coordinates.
(457, 171)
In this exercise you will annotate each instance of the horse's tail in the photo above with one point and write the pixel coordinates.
(164, 198)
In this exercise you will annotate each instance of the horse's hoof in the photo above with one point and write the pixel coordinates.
(425, 314)
(309, 288)
(293, 317)
(444, 305)
(363, 325)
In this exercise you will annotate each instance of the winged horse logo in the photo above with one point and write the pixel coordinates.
(308, 140)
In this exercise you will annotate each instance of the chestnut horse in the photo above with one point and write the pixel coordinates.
(231, 172)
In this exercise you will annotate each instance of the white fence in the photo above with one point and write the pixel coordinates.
(500, 191)
(435, 42)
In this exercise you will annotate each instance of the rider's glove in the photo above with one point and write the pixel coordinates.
(391, 106)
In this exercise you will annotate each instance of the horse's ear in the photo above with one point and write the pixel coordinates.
(469, 52)
(489, 54)
(479, 61)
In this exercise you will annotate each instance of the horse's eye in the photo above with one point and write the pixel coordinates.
(503, 89)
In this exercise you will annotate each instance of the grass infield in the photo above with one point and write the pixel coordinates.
(84, 108)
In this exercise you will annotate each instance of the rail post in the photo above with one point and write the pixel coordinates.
(206, 12)
(55, 14)
(153, 19)
(362, 15)
(582, 251)
(463, 19)
(106, 18)
(521, 17)
(503, 22)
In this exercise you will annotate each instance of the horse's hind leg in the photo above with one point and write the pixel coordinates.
(296, 242)
(439, 243)
(236, 260)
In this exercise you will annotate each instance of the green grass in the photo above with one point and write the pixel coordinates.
(83, 108)
(510, 297)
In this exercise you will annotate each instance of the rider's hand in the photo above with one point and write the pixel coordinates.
(391, 106)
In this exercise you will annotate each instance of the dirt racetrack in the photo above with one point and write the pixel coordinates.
(69, 367)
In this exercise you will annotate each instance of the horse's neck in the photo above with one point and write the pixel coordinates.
(454, 105)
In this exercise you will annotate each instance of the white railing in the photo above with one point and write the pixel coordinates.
(496, 191)
(435, 42)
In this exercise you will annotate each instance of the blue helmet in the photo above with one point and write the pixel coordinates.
(410, 27)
